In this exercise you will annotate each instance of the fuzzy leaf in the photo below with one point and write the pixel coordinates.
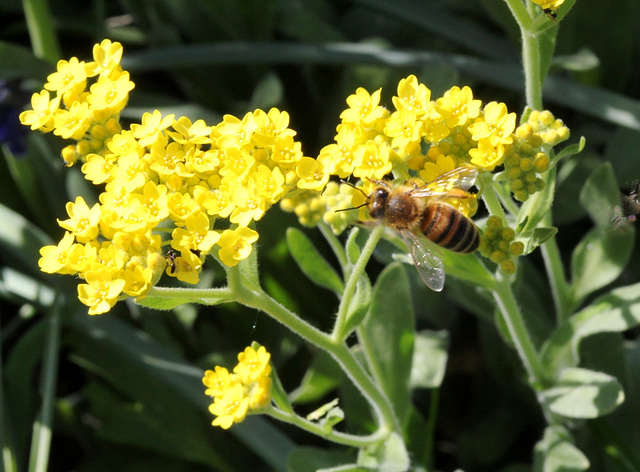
(617, 311)
(583, 393)
(555, 452)
(311, 262)
(387, 335)
(429, 359)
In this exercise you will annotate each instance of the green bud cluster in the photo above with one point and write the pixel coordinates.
(497, 244)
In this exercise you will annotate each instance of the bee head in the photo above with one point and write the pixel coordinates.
(378, 202)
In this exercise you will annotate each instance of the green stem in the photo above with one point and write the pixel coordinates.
(560, 289)
(43, 39)
(514, 321)
(41, 439)
(335, 244)
(260, 300)
(317, 429)
(352, 283)
(430, 433)
(489, 196)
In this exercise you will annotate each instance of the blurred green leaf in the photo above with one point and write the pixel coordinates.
(583, 393)
(616, 311)
(155, 376)
(429, 359)
(387, 336)
(582, 60)
(599, 259)
(24, 289)
(311, 262)
(389, 456)
(322, 376)
(20, 240)
(555, 452)
(19, 61)
(600, 194)
(622, 152)
(312, 459)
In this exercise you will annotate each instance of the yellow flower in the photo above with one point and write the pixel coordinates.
(487, 156)
(70, 74)
(497, 124)
(101, 291)
(110, 94)
(548, 4)
(230, 408)
(458, 107)
(72, 123)
(196, 235)
(83, 221)
(106, 56)
(152, 124)
(55, 258)
(41, 117)
(235, 245)
(412, 96)
(253, 364)
(363, 108)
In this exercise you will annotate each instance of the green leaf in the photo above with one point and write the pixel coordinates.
(583, 393)
(321, 377)
(555, 452)
(467, 267)
(358, 306)
(536, 207)
(19, 61)
(157, 379)
(599, 259)
(571, 149)
(312, 459)
(617, 311)
(600, 194)
(20, 240)
(311, 262)
(429, 359)
(387, 336)
(388, 456)
(24, 289)
(353, 250)
(539, 236)
(166, 298)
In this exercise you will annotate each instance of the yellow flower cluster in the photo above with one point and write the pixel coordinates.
(421, 139)
(246, 389)
(162, 176)
(89, 97)
(497, 243)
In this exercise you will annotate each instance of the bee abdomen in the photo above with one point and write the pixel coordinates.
(449, 228)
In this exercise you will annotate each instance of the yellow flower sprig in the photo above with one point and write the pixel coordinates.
(163, 176)
(245, 390)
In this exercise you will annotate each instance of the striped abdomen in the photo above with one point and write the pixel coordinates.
(449, 228)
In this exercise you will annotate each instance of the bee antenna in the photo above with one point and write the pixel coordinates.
(351, 208)
(353, 186)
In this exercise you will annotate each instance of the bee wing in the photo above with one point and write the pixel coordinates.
(461, 177)
(427, 262)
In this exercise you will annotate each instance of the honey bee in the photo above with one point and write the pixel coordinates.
(424, 220)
